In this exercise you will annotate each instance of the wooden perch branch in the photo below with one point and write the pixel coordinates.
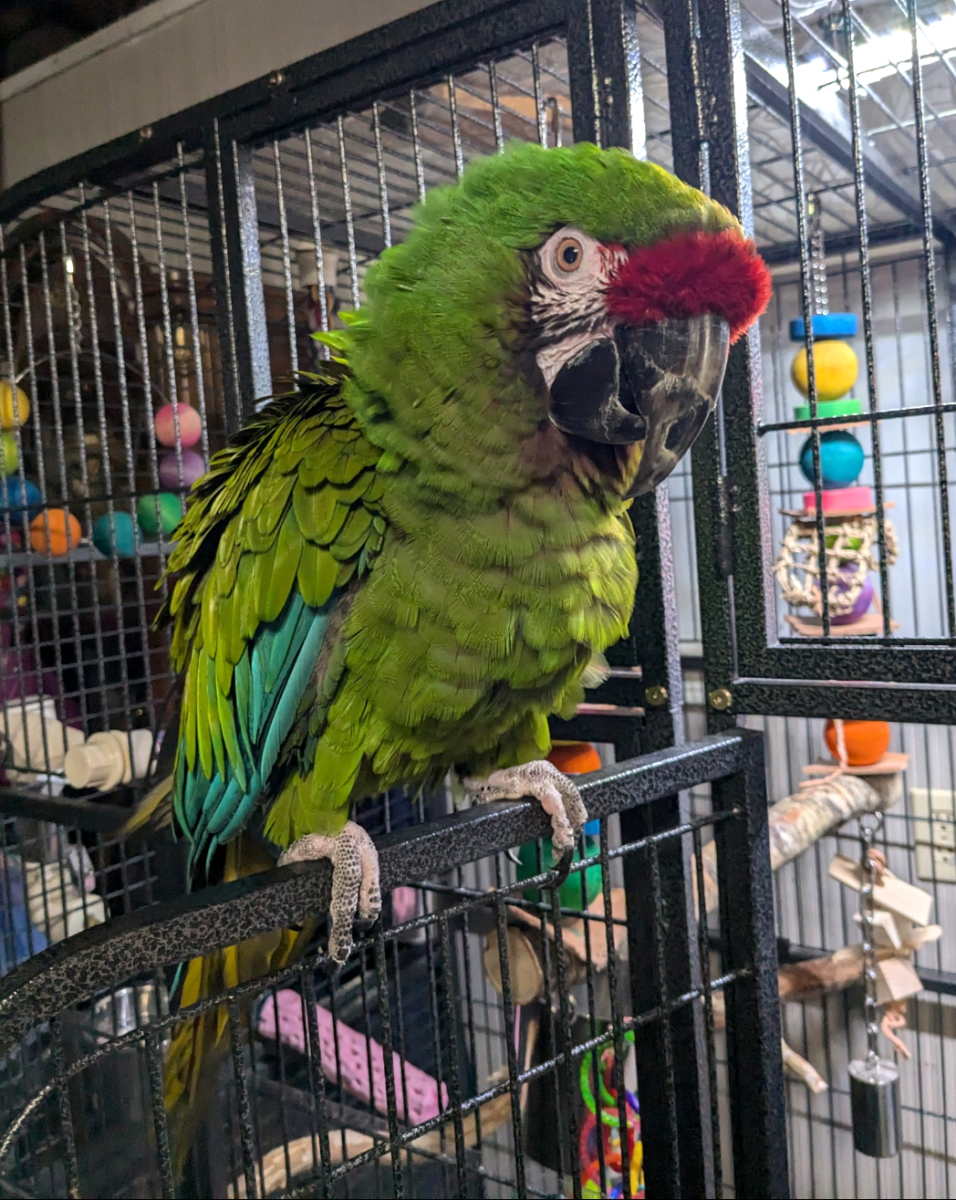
(797, 821)
(832, 973)
(279, 1168)
(817, 977)
(805, 1071)
(814, 976)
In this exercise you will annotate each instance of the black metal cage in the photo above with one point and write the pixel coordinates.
(189, 261)
(408, 1075)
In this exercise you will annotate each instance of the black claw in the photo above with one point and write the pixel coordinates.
(562, 868)
(332, 970)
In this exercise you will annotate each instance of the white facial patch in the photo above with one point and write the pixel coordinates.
(551, 359)
(568, 297)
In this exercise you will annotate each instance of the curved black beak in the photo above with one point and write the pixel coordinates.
(655, 384)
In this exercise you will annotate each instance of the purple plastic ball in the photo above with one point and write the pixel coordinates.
(193, 468)
(848, 574)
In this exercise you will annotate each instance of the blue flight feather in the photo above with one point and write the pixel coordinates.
(237, 822)
(287, 701)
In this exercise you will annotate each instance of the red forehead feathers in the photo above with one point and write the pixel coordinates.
(691, 274)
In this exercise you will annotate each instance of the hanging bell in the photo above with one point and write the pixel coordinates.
(875, 1106)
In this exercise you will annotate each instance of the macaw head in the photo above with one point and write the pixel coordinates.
(571, 300)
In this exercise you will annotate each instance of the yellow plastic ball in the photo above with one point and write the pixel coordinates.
(13, 415)
(835, 367)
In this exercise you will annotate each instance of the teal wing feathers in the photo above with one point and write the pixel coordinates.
(283, 524)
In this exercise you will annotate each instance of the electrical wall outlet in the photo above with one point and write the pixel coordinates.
(935, 812)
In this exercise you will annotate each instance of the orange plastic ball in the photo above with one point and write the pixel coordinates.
(866, 741)
(55, 532)
(574, 758)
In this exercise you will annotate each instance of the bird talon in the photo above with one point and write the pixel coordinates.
(356, 890)
(562, 867)
(557, 795)
(332, 970)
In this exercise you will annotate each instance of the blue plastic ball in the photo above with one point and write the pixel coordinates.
(15, 497)
(841, 459)
(124, 544)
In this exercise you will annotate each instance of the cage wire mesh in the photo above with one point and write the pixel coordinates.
(331, 198)
(111, 342)
(901, 104)
(462, 1038)
(110, 315)
(107, 305)
(115, 287)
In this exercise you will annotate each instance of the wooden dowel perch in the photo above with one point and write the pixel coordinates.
(797, 821)
(279, 1168)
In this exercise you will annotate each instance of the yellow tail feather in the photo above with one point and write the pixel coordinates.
(155, 808)
(194, 1061)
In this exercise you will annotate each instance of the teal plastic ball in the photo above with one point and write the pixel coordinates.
(570, 892)
(841, 459)
(17, 497)
(124, 543)
(158, 515)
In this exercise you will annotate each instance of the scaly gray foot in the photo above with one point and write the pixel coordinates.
(356, 890)
(557, 795)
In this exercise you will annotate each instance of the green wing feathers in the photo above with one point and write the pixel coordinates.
(285, 520)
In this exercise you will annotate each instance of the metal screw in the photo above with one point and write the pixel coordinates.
(720, 699)
(655, 696)
(146, 133)
(276, 78)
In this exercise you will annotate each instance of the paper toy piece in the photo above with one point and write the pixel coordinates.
(886, 928)
(892, 893)
(894, 1018)
(920, 937)
(896, 979)
(902, 935)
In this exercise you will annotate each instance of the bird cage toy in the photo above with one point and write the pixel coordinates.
(850, 526)
(602, 1170)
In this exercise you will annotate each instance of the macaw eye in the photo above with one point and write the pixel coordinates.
(568, 255)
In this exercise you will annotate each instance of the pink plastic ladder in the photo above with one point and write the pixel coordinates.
(353, 1051)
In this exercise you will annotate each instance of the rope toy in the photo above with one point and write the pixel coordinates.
(852, 543)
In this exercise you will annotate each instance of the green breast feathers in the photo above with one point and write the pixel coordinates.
(336, 642)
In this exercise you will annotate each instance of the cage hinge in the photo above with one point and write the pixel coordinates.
(725, 526)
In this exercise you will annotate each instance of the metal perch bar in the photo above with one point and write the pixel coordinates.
(166, 934)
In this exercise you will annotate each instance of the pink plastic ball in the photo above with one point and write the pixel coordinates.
(190, 425)
(193, 468)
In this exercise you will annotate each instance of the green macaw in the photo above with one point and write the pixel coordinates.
(410, 563)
